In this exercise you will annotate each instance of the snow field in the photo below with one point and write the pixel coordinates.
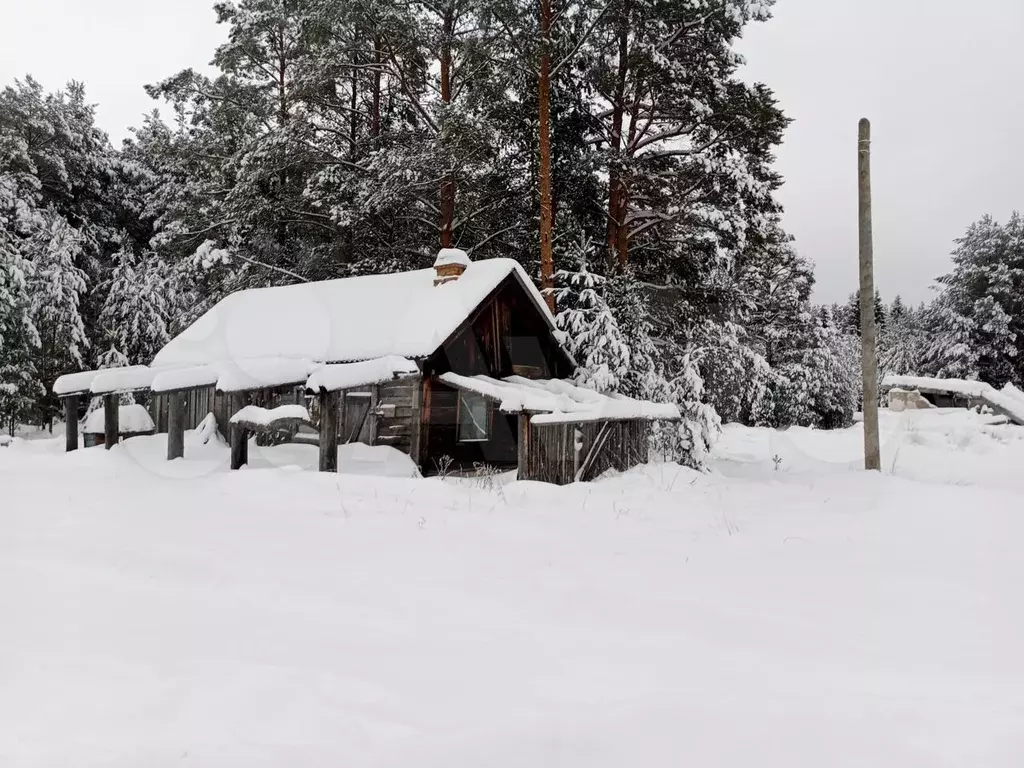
(750, 617)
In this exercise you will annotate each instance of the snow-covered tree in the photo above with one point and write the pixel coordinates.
(134, 319)
(19, 381)
(591, 330)
(56, 290)
(976, 324)
(901, 342)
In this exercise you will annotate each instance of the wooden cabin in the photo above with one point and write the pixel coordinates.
(458, 366)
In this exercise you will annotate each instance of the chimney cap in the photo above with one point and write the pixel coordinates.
(452, 256)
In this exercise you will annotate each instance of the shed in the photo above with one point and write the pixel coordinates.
(401, 360)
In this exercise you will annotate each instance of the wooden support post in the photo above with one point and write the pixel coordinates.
(71, 423)
(239, 446)
(329, 412)
(869, 361)
(111, 406)
(175, 425)
(239, 435)
(415, 447)
(524, 447)
(373, 415)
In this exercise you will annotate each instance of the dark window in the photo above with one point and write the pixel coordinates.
(474, 417)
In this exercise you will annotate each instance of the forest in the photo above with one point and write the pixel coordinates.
(610, 146)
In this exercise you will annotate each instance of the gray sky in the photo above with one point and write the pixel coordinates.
(940, 81)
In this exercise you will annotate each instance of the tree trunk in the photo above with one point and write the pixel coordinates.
(447, 195)
(547, 261)
(375, 95)
(617, 193)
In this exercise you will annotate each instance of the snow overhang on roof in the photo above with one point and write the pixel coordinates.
(74, 383)
(132, 378)
(331, 378)
(552, 401)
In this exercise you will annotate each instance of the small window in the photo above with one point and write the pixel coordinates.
(474, 417)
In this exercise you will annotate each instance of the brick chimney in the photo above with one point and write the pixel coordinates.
(450, 263)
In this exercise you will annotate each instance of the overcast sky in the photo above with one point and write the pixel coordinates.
(940, 80)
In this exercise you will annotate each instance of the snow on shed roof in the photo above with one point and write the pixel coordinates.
(1008, 401)
(355, 318)
(560, 402)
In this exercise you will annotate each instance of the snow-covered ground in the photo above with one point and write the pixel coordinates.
(801, 615)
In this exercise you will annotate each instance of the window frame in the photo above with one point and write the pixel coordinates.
(463, 404)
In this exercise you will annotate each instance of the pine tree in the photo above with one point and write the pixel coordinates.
(135, 315)
(591, 330)
(902, 342)
(19, 340)
(56, 291)
(976, 325)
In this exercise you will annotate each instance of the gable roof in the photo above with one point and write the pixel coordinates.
(354, 318)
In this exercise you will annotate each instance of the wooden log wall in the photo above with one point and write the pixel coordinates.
(551, 454)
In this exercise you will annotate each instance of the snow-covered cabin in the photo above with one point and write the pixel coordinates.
(458, 366)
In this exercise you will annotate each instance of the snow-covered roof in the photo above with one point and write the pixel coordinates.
(127, 379)
(185, 378)
(262, 373)
(560, 402)
(1009, 401)
(130, 419)
(347, 375)
(74, 383)
(351, 319)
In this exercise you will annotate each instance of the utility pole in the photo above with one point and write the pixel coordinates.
(869, 361)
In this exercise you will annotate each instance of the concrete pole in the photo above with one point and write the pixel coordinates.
(869, 360)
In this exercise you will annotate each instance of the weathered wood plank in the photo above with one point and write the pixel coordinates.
(111, 406)
(71, 423)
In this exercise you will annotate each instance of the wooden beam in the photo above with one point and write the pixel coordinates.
(329, 412)
(71, 423)
(111, 406)
(175, 425)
